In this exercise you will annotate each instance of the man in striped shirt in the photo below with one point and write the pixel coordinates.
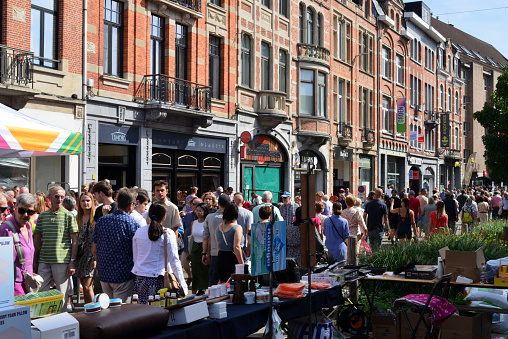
(56, 245)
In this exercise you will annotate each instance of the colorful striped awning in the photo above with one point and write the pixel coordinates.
(24, 136)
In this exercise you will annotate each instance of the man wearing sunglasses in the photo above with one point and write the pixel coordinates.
(4, 208)
(56, 243)
(20, 220)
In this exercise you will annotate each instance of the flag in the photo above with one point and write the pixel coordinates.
(421, 138)
(412, 135)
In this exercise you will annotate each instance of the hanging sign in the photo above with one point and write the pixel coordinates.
(445, 130)
(264, 251)
(401, 115)
(469, 168)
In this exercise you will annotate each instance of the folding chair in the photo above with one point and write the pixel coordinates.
(439, 307)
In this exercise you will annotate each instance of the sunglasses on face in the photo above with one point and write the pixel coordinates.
(3, 209)
(22, 211)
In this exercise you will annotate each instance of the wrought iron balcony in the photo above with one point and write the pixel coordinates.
(313, 52)
(369, 137)
(163, 89)
(345, 131)
(194, 5)
(16, 66)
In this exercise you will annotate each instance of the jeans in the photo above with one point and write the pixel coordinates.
(451, 226)
(495, 211)
(375, 238)
(213, 273)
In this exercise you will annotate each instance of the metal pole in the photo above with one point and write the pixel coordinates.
(270, 312)
(309, 224)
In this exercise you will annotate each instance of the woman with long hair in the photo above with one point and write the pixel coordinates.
(427, 210)
(438, 219)
(210, 199)
(148, 255)
(355, 220)
(406, 220)
(199, 271)
(41, 207)
(336, 231)
(85, 263)
(229, 239)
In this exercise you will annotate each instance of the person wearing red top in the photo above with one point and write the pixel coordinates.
(414, 205)
(495, 203)
(438, 219)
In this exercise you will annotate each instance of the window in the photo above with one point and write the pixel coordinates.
(283, 58)
(415, 85)
(265, 66)
(449, 103)
(366, 50)
(215, 2)
(300, 25)
(319, 30)
(113, 44)
(180, 51)
(246, 71)
(340, 100)
(306, 91)
(457, 107)
(43, 32)
(429, 97)
(386, 63)
(214, 67)
(386, 114)
(157, 45)
(440, 58)
(321, 95)
(265, 3)
(310, 27)
(399, 64)
(441, 97)
(283, 8)
(449, 64)
(365, 108)
(457, 138)
(456, 67)
(341, 38)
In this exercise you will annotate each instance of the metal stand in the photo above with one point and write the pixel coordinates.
(270, 312)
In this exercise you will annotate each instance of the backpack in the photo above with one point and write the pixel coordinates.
(466, 216)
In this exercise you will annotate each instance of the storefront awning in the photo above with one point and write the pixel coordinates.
(24, 136)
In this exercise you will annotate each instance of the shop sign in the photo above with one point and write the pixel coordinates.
(308, 157)
(264, 148)
(445, 130)
(401, 115)
(414, 161)
(188, 142)
(111, 134)
(469, 168)
(343, 154)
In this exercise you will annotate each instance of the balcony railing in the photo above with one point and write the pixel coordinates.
(345, 131)
(272, 102)
(16, 66)
(195, 5)
(163, 89)
(313, 52)
(369, 136)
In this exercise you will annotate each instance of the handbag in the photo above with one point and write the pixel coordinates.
(32, 281)
(170, 279)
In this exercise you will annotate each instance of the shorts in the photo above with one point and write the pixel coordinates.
(183, 259)
(405, 235)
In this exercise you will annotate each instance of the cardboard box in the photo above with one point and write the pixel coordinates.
(6, 272)
(61, 325)
(188, 314)
(15, 321)
(467, 326)
(42, 303)
(383, 327)
(403, 328)
(463, 263)
(501, 282)
(424, 272)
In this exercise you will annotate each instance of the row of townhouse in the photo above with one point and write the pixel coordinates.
(246, 93)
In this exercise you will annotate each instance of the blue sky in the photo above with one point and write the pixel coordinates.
(489, 25)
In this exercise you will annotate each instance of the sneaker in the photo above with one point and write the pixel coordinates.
(70, 308)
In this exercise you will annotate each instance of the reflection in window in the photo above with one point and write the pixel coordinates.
(43, 32)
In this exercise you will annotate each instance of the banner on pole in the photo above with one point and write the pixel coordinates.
(401, 115)
(445, 130)
(263, 251)
(469, 168)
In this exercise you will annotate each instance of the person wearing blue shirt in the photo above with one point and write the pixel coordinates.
(112, 247)
(336, 230)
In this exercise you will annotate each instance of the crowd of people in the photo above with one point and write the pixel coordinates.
(121, 243)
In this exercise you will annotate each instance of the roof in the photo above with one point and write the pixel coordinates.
(470, 45)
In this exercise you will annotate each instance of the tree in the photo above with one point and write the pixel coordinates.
(494, 118)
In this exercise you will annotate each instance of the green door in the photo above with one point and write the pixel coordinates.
(268, 179)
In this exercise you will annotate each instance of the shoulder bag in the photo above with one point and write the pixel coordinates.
(170, 279)
(32, 281)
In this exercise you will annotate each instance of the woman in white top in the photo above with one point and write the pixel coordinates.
(148, 254)
(199, 271)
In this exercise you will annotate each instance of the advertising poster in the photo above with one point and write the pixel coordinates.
(263, 250)
(401, 115)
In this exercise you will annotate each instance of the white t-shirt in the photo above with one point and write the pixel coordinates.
(139, 218)
(197, 230)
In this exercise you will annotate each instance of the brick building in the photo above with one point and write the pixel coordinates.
(40, 75)
(481, 64)
(161, 98)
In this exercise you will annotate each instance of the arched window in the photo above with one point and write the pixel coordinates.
(310, 26)
(449, 106)
(397, 23)
(320, 30)
(457, 138)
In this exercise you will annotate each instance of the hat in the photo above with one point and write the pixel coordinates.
(286, 195)
(341, 190)
(224, 199)
(220, 189)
